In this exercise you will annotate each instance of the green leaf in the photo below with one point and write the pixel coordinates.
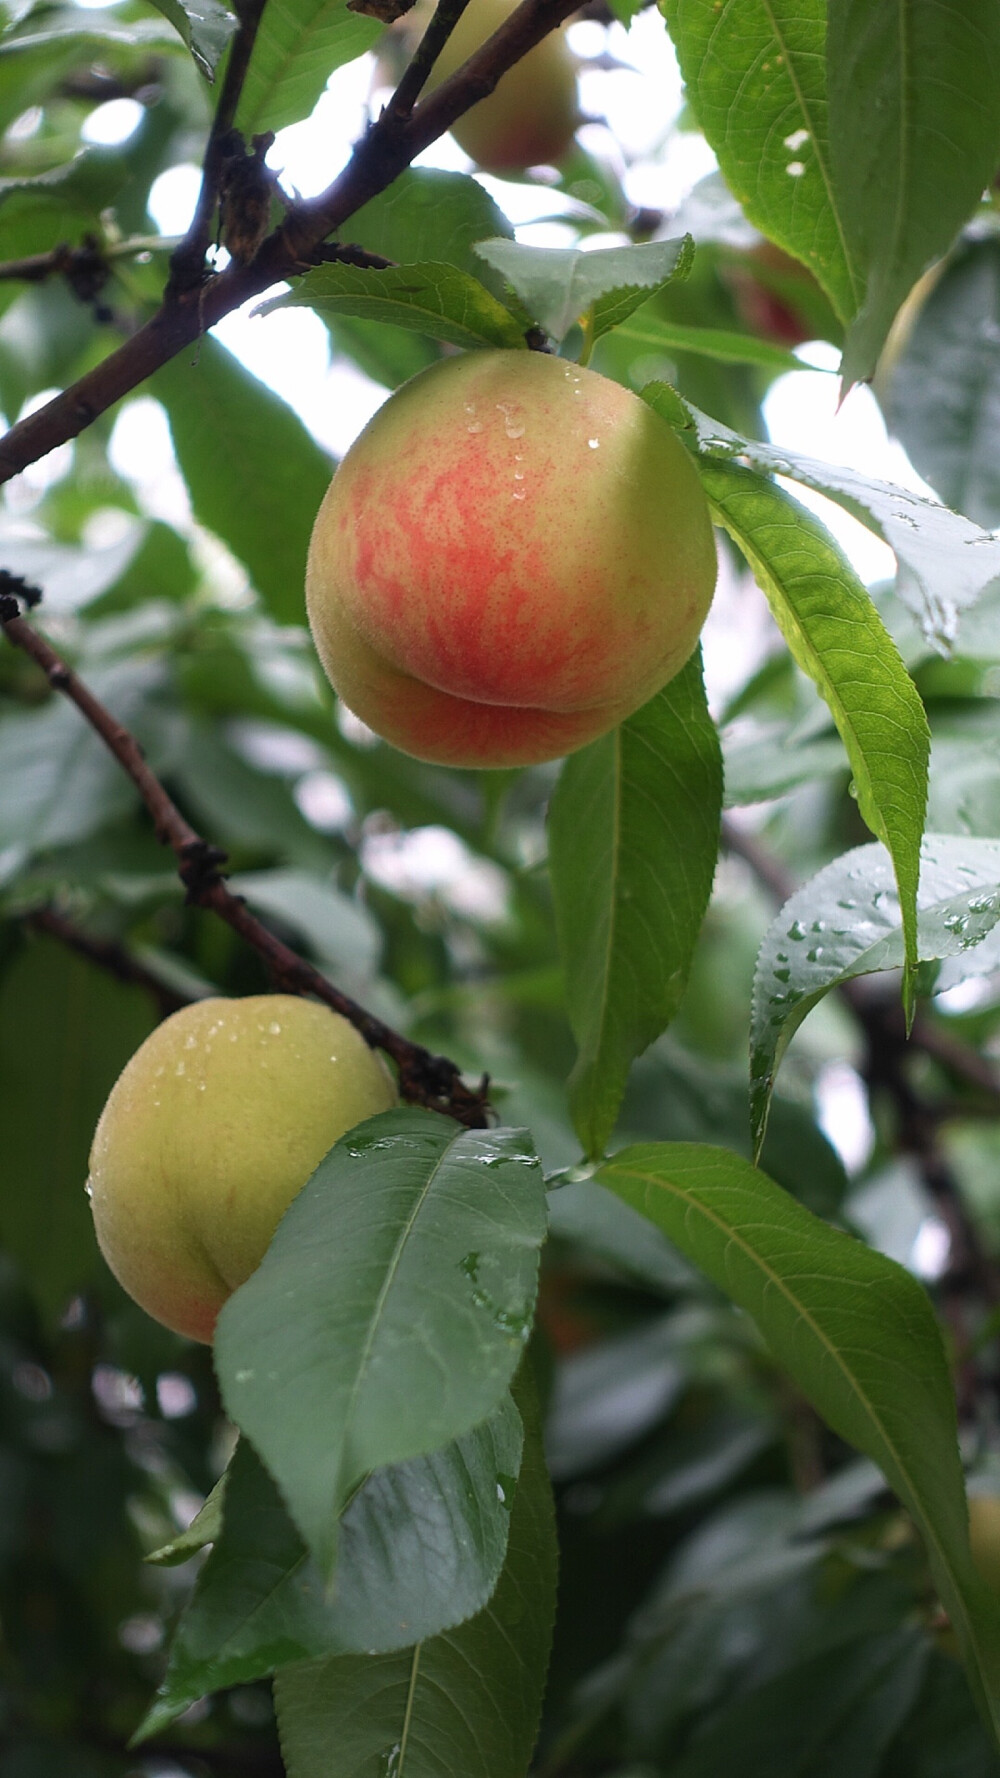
(769, 763)
(466, 1702)
(855, 1331)
(205, 26)
(421, 1549)
(67, 1030)
(243, 807)
(389, 355)
(430, 217)
(30, 76)
(946, 562)
(942, 1739)
(725, 347)
(71, 575)
(845, 922)
(94, 27)
(754, 71)
(436, 300)
(836, 636)
(633, 839)
(88, 183)
(338, 930)
(835, 1713)
(914, 91)
(562, 285)
(58, 782)
(412, 1257)
(299, 44)
(674, 1096)
(205, 1528)
(255, 475)
(943, 395)
(964, 789)
(584, 1213)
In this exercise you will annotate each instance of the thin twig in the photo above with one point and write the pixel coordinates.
(64, 259)
(425, 1079)
(431, 44)
(383, 153)
(187, 266)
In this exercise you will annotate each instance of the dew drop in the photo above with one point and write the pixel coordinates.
(796, 930)
(594, 443)
(89, 1188)
(274, 1029)
(476, 426)
(782, 975)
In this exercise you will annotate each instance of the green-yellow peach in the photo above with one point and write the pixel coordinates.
(530, 116)
(513, 556)
(209, 1133)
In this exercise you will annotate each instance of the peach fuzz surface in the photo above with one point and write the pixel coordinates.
(513, 556)
(210, 1131)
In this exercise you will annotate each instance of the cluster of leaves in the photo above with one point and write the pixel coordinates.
(710, 1336)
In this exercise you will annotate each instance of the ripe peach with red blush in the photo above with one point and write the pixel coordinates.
(513, 556)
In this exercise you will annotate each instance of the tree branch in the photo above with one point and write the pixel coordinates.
(187, 266)
(383, 153)
(425, 1079)
(426, 54)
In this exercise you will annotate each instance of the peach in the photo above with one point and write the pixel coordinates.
(513, 556)
(209, 1133)
(530, 116)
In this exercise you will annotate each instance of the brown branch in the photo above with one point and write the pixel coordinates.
(109, 955)
(431, 44)
(424, 1079)
(61, 259)
(187, 265)
(383, 153)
